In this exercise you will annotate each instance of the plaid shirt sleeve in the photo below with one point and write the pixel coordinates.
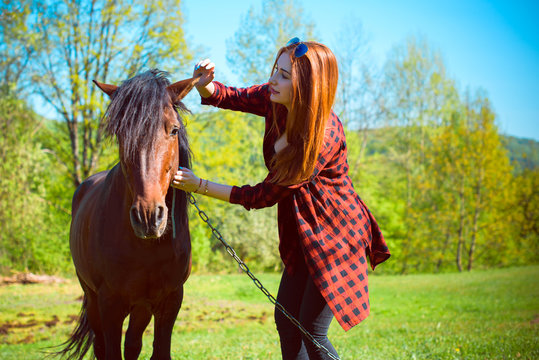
(254, 99)
(264, 194)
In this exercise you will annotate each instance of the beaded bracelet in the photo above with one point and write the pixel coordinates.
(206, 187)
(199, 185)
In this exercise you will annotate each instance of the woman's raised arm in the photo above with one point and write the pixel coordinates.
(206, 70)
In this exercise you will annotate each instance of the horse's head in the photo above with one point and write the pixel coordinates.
(143, 114)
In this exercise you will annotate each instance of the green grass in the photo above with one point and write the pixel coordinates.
(491, 314)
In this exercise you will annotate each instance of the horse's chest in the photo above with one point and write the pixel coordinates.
(151, 285)
(148, 276)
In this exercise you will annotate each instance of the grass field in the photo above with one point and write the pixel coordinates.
(490, 314)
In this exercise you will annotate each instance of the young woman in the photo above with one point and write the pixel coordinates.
(326, 231)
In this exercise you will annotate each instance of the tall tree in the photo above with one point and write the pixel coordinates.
(251, 52)
(413, 96)
(467, 185)
(490, 178)
(524, 216)
(359, 102)
(351, 50)
(24, 207)
(17, 44)
(105, 40)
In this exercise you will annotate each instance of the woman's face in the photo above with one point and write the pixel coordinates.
(280, 82)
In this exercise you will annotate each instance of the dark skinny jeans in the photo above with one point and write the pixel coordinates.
(302, 299)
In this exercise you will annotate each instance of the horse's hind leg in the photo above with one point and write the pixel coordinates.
(95, 323)
(165, 316)
(138, 320)
(94, 320)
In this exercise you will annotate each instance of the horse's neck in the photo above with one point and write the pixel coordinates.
(116, 186)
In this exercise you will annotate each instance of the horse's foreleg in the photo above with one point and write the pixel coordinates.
(112, 313)
(165, 316)
(139, 318)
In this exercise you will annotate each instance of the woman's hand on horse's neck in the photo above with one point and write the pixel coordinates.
(185, 180)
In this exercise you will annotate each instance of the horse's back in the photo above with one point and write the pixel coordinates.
(87, 186)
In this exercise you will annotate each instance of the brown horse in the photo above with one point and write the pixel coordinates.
(127, 260)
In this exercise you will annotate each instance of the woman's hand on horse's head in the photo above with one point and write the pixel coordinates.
(205, 69)
(186, 180)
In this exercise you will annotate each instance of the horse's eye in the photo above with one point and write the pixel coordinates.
(174, 131)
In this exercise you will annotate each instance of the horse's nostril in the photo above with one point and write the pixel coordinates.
(135, 216)
(160, 213)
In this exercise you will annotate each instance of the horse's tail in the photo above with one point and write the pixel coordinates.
(81, 339)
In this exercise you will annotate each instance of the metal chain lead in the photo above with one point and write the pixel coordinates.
(257, 282)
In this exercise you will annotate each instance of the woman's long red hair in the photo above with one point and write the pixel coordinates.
(314, 84)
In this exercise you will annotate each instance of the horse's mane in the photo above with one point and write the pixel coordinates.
(135, 113)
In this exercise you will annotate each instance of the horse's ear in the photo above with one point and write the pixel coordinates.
(106, 88)
(180, 89)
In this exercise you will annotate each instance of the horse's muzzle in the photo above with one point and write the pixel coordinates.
(149, 224)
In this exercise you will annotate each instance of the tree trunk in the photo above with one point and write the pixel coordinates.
(461, 226)
(444, 248)
(475, 219)
(407, 241)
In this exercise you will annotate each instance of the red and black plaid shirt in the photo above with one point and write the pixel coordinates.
(322, 219)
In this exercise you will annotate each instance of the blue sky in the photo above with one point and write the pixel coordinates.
(493, 45)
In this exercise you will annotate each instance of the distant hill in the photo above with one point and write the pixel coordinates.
(524, 153)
